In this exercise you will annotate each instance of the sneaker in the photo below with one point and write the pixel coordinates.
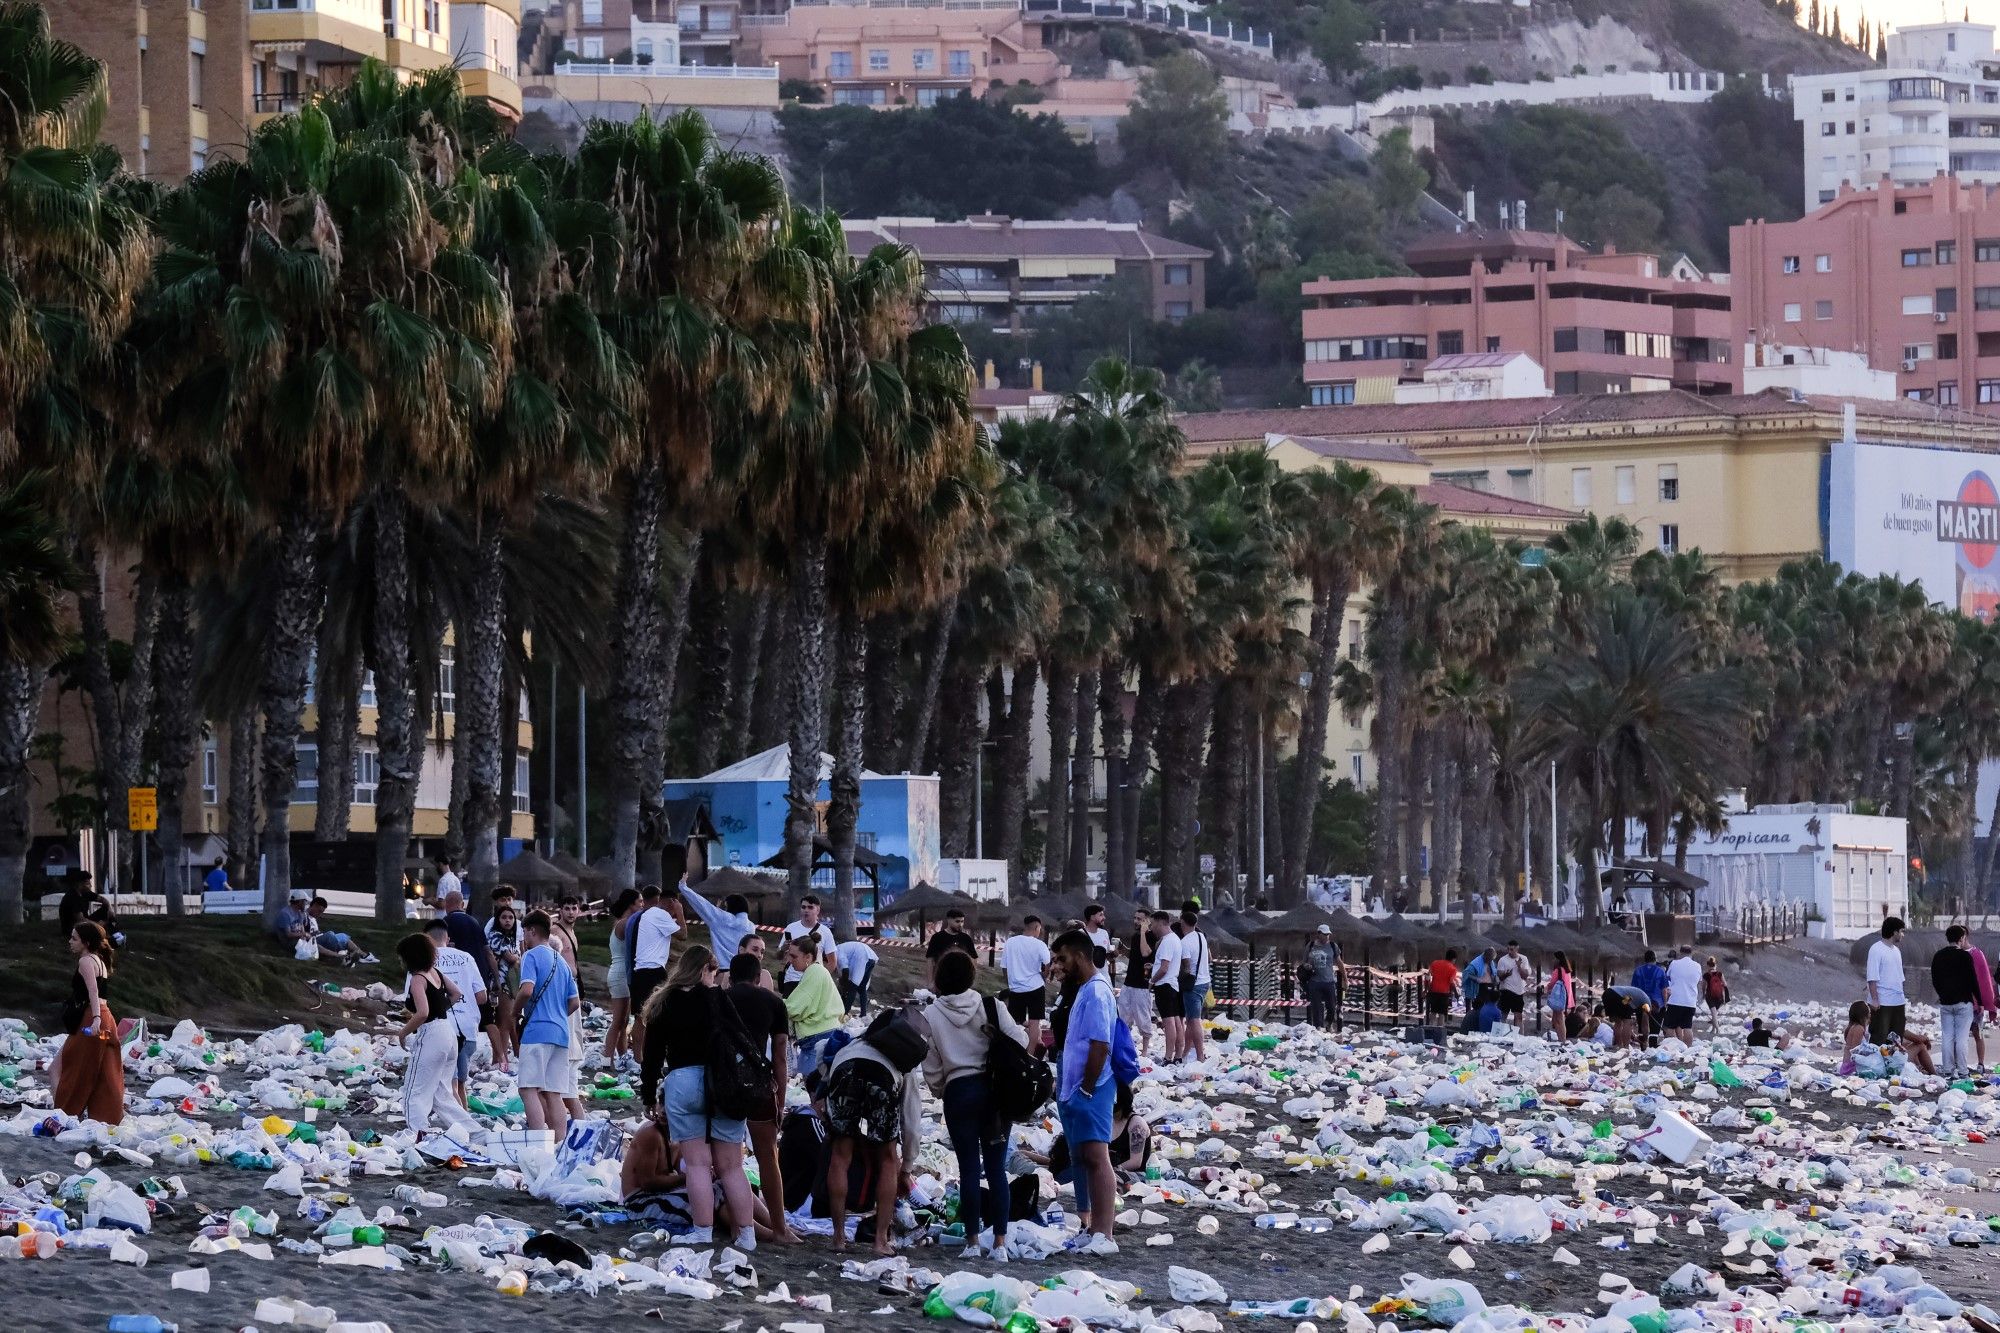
(368, 958)
(1089, 1242)
(694, 1239)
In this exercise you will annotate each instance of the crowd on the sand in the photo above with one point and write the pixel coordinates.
(715, 1036)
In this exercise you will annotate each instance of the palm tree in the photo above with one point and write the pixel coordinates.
(692, 267)
(1410, 529)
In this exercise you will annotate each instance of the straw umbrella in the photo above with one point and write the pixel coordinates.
(535, 877)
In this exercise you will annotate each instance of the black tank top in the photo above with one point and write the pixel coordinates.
(76, 1014)
(436, 998)
(1138, 971)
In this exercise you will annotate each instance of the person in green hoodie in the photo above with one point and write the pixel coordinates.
(814, 1006)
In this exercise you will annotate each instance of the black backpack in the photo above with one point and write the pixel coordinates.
(739, 1077)
(1019, 1084)
(898, 1039)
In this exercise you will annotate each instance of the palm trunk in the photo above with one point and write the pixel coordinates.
(1186, 713)
(666, 682)
(1055, 824)
(1416, 771)
(242, 813)
(1226, 771)
(1477, 804)
(807, 735)
(1146, 710)
(1969, 783)
(1273, 805)
(843, 809)
(398, 743)
(886, 691)
(1386, 738)
(113, 768)
(1083, 775)
(749, 651)
(1303, 797)
(510, 732)
(928, 688)
(176, 723)
(1011, 755)
(771, 722)
(20, 706)
(293, 628)
(1446, 794)
(339, 695)
(718, 666)
(635, 638)
(481, 665)
(958, 799)
(1111, 722)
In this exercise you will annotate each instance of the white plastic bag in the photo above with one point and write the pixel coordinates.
(114, 1205)
(1191, 1286)
(1446, 1300)
(305, 951)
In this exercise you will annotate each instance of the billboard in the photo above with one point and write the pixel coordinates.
(1928, 516)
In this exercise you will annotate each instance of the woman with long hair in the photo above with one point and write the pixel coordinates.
(431, 1036)
(963, 1027)
(503, 937)
(1561, 994)
(618, 1038)
(681, 1017)
(90, 1072)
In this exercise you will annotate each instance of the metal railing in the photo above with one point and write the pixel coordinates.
(1170, 17)
(608, 69)
(1760, 923)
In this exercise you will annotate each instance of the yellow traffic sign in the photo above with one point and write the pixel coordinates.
(142, 809)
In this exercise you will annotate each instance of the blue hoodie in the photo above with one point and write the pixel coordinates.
(1652, 979)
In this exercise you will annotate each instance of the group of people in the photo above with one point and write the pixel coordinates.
(1493, 988)
(1963, 982)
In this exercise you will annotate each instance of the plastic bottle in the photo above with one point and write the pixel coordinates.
(368, 1235)
(513, 1283)
(140, 1323)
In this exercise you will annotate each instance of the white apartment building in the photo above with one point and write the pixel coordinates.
(1934, 107)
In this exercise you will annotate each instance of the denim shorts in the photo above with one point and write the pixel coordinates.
(465, 1044)
(1194, 998)
(1086, 1116)
(686, 1102)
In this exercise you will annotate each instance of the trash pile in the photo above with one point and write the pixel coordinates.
(1356, 1182)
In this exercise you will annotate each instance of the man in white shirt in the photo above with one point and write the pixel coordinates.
(653, 929)
(462, 970)
(1683, 994)
(448, 881)
(809, 923)
(1513, 974)
(1195, 980)
(854, 969)
(727, 924)
(1093, 926)
(1886, 1013)
(1025, 959)
(1167, 984)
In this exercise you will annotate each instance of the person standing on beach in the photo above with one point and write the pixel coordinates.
(963, 1027)
(1983, 1013)
(1714, 993)
(809, 923)
(466, 935)
(1194, 983)
(951, 935)
(1886, 1002)
(462, 972)
(1093, 926)
(1166, 985)
(89, 1077)
(1025, 959)
(1651, 978)
(1683, 994)
(766, 1020)
(1475, 982)
(547, 1076)
(728, 922)
(1561, 994)
(813, 1003)
(1958, 999)
(1442, 986)
(652, 930)
(1319, 978)
(618, 977)
(1515, 976)
(1086, 1092)
(431, 1037)
(1135, 997)
(448, 882)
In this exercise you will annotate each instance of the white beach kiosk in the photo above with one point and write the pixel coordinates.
(1852, 869)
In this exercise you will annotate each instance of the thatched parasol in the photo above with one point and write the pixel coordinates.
(535, 877)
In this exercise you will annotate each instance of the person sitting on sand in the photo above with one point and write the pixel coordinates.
(1766, 1037)
(649, 1166)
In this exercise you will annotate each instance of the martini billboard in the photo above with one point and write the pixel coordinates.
(1928, 516)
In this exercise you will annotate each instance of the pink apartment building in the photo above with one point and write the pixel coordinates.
(1595, 323)
(1909, 278)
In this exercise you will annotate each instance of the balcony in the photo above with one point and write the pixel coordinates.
(329, 31)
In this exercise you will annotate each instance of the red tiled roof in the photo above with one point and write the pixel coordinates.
(1015, 240)
(1455, 499)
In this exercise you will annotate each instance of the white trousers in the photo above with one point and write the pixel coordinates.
(427, 1080)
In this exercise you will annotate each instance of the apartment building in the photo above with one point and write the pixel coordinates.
(1933, 107)
(654, 32)
(1595, 322)
(1005, 273)
(889, 53)
(178, 73)
(1908, 277)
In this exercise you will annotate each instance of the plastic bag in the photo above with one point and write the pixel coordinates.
(982, 1301)
(1191, 1286)
(1445, 1300)
(111, 1204)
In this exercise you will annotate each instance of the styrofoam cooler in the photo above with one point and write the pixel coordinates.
(1675, 1139)
(507, 1145)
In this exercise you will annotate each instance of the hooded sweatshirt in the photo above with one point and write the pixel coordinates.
(958, 1037)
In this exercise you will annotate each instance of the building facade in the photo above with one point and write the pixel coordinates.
(653, 32)
(1908, 277)
(1595, 323)
(1005, 273)
(1932, 108)
(865, 53)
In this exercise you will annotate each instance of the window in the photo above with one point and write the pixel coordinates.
(1822, 310)
(1826, 95)
(860, 96)
(1180, 275)
(1826, 129)
(1355, 760)
(1947, 393)
(1366, 349)
(840, 64)
(1670, 482)
(1822, 263)
(1986, 298)
(643, 49)
(1354, 641)
(1947, 252)
(1579, 488)
(1451, 342)
(1338, 394)
(1627, 486)
(1985, 251)
(1790, 264)
(1492, 342)
(958, 312)
(1179, 310)
(367, 773)
(1947, 347)
(1670, 537)
(1792, 315)
(305, 785)
(593, 11)
(1916, 351)
(521, 783)
(924, 60)
(960, 64)
(1989, 391)
(197, 154)
(448, 683)
(1826, 196)
(1916, 258)
(1564, 340)
(1916, 305)
(211, 787)
(878, 59)
(927, 97)
(1945, 300)
(593, 48)
(367, 699)
(195, 59)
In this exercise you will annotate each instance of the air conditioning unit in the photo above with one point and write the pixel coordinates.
(1942, 316)
(1909, 363)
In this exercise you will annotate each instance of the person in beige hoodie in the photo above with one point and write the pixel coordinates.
(963, 1025)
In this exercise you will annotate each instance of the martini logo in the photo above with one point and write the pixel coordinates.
(1972, 521)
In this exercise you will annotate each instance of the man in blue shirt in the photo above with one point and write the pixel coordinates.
(545, 1074)
(217, 880)
(1086, 1091)
(1651, 978)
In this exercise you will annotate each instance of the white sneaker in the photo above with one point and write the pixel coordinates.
(694, 1238)
(746, 1240)
(1098, 1245)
